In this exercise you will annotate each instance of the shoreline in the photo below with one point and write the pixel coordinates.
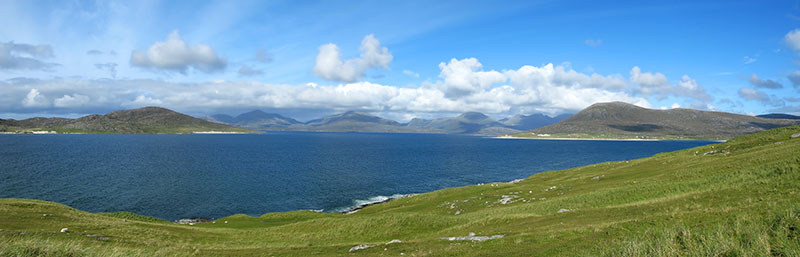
(605, 139)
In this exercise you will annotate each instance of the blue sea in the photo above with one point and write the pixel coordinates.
(213, 176)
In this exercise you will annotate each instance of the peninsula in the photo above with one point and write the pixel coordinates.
(147, 120)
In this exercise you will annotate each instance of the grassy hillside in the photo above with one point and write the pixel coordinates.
(147, 120)
(622, 120)
(739, 198)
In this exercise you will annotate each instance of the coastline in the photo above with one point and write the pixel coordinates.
(603, 139)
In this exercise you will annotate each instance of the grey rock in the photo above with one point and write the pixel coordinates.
(360, 247)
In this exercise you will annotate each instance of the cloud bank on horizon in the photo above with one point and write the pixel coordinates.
(105, 63)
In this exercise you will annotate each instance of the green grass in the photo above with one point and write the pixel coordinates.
(739, 199)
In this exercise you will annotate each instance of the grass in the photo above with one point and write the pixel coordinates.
(738, 198)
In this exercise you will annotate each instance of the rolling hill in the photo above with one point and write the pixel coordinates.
(147, 120)
(622, 120)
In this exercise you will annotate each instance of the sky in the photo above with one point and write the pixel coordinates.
(397, 59)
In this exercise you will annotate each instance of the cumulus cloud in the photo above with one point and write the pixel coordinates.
(35, 99)
(657, 85)
(465, 77)
(330, 65)
(749, 60)
(529, 90)
(764, 83)
(110, 67)
(176, 55)
(15, 56)
(757, 95)
(74, 100)
(793, 39)
(248, 71)
(752, 94)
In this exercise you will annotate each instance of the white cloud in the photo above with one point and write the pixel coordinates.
(142, 101)
(74, 100)
(749, 60)
(176, 55)
(793, 39)
(35, 99)
(532, 90)
(657, 85)
(330, 65)
(764, 83)
(411, 73)
(752, 94)
(675, 105)
(757, 95)
(15, 56)
(465, 77)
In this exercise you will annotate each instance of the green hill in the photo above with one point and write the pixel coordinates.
(622, 120)
(147, 120)
(738, 198)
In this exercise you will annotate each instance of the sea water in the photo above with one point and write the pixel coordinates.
(213, 176)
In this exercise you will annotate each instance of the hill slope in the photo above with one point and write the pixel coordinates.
(619, 119)
(145, 120)
(739, 198)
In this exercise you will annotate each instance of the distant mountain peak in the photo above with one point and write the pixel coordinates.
(253, 112)
(473, 116)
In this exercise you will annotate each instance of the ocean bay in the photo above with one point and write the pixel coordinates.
(212, 176)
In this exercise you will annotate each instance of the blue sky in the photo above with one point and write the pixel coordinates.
(399, 59)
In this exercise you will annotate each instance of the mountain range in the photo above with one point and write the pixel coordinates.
(147, 120)
(470, 123)
(622, 120)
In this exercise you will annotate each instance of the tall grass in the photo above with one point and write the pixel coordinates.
(743, 236)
